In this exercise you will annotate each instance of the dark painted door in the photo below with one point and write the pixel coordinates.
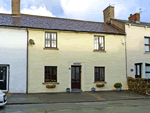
(138, 72)
(76, 77)
(3, 78)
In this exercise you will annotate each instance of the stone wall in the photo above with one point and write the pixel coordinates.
(139, 85)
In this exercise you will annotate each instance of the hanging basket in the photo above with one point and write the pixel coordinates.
(50, 86)
(100, 85)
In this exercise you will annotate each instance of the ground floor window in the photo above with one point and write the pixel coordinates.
(99, 74)
(50, 73)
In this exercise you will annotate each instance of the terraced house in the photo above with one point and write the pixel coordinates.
(66, 53)
(137, 45)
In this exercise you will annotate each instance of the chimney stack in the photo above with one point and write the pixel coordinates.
(108, 14)
(135, 17)
(15, 7)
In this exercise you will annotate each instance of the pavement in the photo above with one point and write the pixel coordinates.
(98, 96)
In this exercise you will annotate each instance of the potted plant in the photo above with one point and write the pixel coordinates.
(68, 90)
(118, 86)
(93, 89)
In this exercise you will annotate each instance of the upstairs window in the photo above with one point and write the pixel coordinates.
(50, 40)
(99, 43)
(147, 44)
(99, 74)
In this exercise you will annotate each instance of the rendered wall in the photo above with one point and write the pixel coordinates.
(135, 46)
(75, 47)
(13, 51)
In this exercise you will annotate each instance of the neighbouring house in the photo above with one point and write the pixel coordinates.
(62, 52)
(13, 53)
(137, 45)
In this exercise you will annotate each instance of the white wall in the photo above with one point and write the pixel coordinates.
(13, 51)
(135, 47)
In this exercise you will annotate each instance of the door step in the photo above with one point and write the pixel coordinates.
(76, 90)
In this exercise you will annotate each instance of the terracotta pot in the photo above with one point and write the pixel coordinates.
(48, 86)
(100, 85)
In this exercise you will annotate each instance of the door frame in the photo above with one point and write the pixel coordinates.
(82, 74)
(8, 71)
(80, 67)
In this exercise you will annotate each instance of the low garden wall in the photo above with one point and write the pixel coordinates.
(139, 85)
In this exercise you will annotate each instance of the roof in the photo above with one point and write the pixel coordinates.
(52, 23)
(133, 22)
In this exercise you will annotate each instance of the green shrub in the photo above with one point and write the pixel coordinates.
(117, 85)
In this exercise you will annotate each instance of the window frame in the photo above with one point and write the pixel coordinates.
(50, 40)
(45, 73)
(99, 74)
(147, 44)
(99, 43)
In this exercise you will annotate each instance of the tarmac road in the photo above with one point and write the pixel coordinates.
(122, 106)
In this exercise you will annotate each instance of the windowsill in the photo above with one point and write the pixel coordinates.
(100, 82)
(50, 83)
(99, 51)
(50, 48)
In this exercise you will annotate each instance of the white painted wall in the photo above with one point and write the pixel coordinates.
(135, 48)
(13, 51)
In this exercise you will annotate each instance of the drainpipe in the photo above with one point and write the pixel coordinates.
(126, 56)
(27, 61)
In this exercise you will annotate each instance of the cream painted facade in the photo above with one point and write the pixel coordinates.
(135, 49)
(75, 47)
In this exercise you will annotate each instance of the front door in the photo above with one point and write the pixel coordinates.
(3, 78)
(138, 72)
(76, 77)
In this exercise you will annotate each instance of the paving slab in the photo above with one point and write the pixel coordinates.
(39, 98)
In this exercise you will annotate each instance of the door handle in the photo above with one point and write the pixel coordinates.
(1, 80)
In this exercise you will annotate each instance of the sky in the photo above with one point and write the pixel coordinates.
(89, 10)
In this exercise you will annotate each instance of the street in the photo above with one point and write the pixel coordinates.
(122, 106)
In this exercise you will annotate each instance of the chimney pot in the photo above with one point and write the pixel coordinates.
(135, 17)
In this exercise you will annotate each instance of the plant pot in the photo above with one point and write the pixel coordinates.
(100, 85)
(119, 89)
(68, 90)
(93, 89)
(49, 86)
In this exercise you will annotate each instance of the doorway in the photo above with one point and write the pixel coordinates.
(76, 77)
(3, 77)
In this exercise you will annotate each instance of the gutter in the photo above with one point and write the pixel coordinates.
(67, 30)
(27, 62)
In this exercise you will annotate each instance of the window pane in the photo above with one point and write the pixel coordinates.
(54, 36)
(146, 41)
(53, 43)
(72, 72)
(138, 70)
(48, 43)
(45, 35)
(96, 46)
(95, 38)
(48, 36)
(146, 48)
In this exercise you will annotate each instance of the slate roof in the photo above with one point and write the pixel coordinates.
(133, 22)
(52, 23)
